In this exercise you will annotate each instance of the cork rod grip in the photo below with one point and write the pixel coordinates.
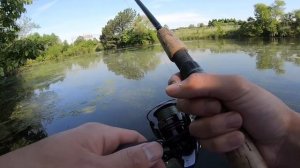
(247, 156)
(170, 42)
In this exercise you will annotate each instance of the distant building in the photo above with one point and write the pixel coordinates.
(86, 37)
(91, 36)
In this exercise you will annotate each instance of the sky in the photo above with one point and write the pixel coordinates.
(71, 18)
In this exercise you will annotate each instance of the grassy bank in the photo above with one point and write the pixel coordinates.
(206, 32)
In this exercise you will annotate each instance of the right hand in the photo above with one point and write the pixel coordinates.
(273, 126)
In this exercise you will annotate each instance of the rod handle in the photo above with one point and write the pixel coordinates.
(177, 52)
(170, 42)
(247, 156)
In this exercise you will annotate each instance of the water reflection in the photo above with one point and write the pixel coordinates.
(270, 55)
(116, 88)
(132, 65)
(16, 132)
(26, 104)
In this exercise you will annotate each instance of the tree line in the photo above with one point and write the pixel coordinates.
(18, 48)
(128, 28)
(269, 21)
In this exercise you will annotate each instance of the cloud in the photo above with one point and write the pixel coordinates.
(47, 6)
(175, 20)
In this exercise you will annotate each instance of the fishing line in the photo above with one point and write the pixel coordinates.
(162, 56)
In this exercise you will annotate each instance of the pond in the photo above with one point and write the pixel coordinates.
(118, 88)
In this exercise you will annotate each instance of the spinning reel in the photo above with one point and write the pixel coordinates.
(171, 128)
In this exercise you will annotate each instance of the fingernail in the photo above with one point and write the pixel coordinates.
(174, 87)
(235, 141)
(153, 151)
(171, 82)
(234, 121)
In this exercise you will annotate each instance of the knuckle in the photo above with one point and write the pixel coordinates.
(241, 83)
(134, 132)
(90, 126)
(213, 145)
(192, 82)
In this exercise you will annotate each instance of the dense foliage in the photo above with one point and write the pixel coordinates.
(216, 22)
(10, 11)
(272, 21)
(127, 29)
(51, 47)
(18, 48)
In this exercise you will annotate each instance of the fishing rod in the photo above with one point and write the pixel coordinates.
(247, 156)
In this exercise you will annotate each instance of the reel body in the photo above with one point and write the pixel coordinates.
(171, 128)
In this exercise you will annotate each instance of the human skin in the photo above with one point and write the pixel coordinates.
(273, 126)
(91, 145)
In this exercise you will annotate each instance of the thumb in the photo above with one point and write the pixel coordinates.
(143, 156)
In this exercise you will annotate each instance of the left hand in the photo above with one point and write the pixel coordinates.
(89, 146)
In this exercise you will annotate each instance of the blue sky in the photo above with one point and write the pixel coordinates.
(71, 18)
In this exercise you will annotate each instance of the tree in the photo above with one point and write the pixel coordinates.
(297, 22)
(270, 17)
(191, 26)
(127, 29)
(79, 40)
(141, 33)
(9, 13)
(250, 28)
(200, 25)
(278, 9)
(114, 28)
(26, 26)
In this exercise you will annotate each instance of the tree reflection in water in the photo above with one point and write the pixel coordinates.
(22, 117)
(269, 54)
(132, 65)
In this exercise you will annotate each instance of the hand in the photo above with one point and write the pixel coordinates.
(274, 127)
(89, 146)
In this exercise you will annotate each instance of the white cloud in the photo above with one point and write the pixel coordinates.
(47, 6)
(175, 20)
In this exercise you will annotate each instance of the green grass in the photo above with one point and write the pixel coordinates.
(206, 32)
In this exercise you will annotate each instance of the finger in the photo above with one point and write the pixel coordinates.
(199, 107)
(115, 138)
(222, 87)
(143, 156)
(104, 139)
(224, 143)
(176, 78)
(216, 125)
(159, 164)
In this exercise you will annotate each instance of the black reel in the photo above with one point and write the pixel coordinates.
(171, 128)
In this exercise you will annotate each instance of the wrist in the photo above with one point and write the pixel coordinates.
(23, 157)
(290, 150)
(293, 136)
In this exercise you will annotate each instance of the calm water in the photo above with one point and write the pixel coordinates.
(118, 88)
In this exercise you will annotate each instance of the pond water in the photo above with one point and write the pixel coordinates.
(117, 88)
